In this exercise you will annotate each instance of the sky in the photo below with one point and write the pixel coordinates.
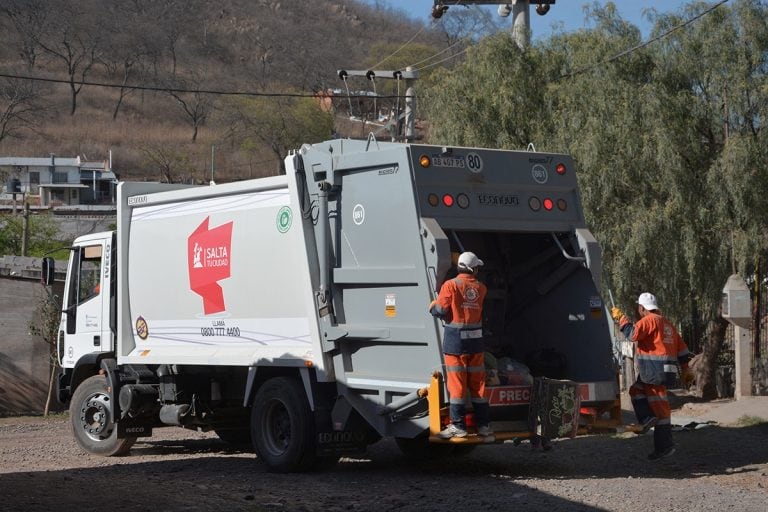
(569, 12)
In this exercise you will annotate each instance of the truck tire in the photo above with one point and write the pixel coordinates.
(282, 426)
(93, 423)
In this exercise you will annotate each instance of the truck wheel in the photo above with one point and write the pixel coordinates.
(282, 426)
(93, 422)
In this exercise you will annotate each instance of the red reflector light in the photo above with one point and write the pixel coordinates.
(562, 205)
(560, 168)
(448, 200)
(548, 204)
(534, 203)
(433, 200)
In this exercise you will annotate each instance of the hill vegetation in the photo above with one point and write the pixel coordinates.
(260, 46)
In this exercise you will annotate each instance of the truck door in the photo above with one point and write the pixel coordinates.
(86, 309)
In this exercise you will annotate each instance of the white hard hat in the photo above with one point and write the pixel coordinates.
(469, 260)
(648, 301)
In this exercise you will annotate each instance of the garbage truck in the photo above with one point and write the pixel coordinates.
(291, 312)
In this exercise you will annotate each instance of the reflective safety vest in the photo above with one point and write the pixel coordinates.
(659, 348)
(460, 305)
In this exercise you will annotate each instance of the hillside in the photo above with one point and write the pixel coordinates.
(261, 46)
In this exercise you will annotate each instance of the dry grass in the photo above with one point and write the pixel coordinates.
(145, 120)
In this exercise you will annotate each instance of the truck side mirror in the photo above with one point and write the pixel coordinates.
(48, 270)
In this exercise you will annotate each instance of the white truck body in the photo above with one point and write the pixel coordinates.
(304, 297)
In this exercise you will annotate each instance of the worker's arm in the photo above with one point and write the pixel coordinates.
(441, 306)
(627, 328)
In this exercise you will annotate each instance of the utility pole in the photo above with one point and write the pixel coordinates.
(25, 229)
(409, 77)
(519, 9)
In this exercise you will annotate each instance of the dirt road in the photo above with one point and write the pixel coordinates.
(718, 468)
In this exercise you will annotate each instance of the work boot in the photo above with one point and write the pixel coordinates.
(484, 431)
(662, 454)
(452, 430)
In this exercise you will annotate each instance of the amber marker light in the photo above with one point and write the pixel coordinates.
(424, 161)
(433, 200)
(562, 205)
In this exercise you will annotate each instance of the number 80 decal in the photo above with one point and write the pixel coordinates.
(474, 162)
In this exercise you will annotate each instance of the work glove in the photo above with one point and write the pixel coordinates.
(688, 377)
(616, 313)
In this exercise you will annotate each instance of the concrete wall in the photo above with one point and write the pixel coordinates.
(25, 363)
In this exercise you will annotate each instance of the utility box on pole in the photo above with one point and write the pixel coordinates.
(737, 309)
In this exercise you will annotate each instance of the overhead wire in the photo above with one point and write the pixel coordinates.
(220, 92)
(182, 90)
(642, 45)
(423, 27)
(470, 37)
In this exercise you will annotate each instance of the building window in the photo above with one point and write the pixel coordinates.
(60, 177)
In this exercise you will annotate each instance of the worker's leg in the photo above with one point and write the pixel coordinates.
(662, 433)
(640, 403)
(456, 370)
(476, 374)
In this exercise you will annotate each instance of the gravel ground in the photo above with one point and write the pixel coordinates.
(717, 468)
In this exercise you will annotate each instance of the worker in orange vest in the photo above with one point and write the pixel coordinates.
(659, 351)
(460, 305)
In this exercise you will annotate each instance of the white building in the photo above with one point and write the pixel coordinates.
(59, 181)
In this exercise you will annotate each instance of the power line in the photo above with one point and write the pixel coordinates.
(385, 59)
(427, 66)
(628, 51)
(633, 49)
(469, 37)
(181, 89)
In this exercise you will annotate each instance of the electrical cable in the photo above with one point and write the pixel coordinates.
(440, 52)
(422, 68)
(628, 51)
(633, 49)
(349, 96)
(176, 89)
(423, 27)
(385, 59)
(469, 37)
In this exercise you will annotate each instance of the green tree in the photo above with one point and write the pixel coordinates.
(496, 98)
(668, 140)
(44, 235)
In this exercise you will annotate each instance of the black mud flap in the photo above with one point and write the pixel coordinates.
(341, 443)
(133, 429)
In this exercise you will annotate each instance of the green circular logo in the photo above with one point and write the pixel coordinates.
(284, 219)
